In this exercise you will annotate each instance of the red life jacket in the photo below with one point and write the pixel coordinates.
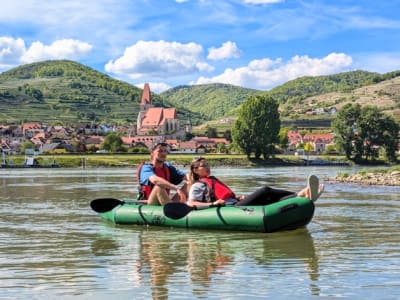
(218, 189)
(145, 190)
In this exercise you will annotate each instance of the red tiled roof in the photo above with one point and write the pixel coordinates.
(326, 137)
(188, 145)
(31, 126)
(168, 113)
(153, 116)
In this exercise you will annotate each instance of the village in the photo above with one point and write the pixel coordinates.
(154, 124)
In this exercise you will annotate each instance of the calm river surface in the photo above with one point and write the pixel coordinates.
(53, 245)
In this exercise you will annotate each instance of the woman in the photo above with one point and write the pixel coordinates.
(205, 189)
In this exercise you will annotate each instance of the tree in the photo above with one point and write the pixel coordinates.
(389, 134)
(112, 142)
(308, 147)
(228, 135)
(378, 130)
(256, 129)
(344, 127)
(211, 132)
(27, 145)
(361, 132)
(283, 137)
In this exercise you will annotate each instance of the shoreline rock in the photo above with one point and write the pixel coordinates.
(388, 179)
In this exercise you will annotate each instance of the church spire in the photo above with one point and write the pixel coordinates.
(146, 96)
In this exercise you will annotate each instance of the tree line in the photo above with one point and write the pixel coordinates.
(362, 133)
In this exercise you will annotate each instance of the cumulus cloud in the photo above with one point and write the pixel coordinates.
(380, 62)
(60, 49)
(11, 50)
(159, 59)
(227, 50)
(263, 74)
(156, 87)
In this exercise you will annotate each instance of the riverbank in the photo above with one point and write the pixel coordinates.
(390, 177)
(132, 160)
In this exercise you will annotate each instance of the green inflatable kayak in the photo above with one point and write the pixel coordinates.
(283, 215)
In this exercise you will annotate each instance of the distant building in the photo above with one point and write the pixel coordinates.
(155, 120)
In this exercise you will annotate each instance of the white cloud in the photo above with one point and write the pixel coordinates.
(264, 74)
(380, 62)
(11, 50)
(227, 50)
(60, 49)
(156, 87)
(159, 59)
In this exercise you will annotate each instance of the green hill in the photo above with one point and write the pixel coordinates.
(212, 101)
(67, 92)
(334, 90)
(296, 96)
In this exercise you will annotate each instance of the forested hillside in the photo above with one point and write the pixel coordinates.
(295, 97)
(212, 101)
(335, 90)
(67, 92)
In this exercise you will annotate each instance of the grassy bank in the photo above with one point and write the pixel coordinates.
(132, 160)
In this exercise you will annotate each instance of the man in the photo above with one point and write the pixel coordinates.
(158, 177)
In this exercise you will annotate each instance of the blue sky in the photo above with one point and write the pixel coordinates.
(250, 43)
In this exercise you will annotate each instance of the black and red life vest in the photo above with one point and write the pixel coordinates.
(218, 189)
(145, 190)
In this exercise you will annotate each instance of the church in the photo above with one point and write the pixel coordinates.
(155, 120)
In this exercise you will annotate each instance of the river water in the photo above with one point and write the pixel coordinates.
(53, 245)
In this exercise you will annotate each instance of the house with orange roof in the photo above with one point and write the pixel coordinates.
(319, 141)
(209, 143)
(188, 147)
(294, 140)
(31, 129)
(143, 140)
(157, 120)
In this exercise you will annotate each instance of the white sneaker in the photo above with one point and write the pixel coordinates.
(313, 186)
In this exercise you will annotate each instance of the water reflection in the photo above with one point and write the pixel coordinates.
(163, 259)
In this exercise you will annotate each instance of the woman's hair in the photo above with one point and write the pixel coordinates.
(193, 177)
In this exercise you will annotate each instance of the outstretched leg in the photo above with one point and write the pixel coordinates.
(313, 189)
(265, 195)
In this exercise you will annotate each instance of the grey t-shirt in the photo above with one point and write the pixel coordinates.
(199, 191)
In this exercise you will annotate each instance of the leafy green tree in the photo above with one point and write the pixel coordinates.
(283, 137)
(308, 147)
(256, 129)
(27, 145)
(211, 132)
(188, 136)
(344, 127)
(360, 132)
(378, 130)
(389, 138)
(112, 142)
(221, 148)
(228, 135)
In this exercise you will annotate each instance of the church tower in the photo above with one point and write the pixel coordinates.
(145, 102)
